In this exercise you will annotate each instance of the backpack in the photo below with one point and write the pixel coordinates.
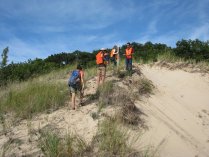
(74, 77)
(99, 58)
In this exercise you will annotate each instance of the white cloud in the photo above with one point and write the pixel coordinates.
(201, 32)
(40, 28)
(19, 50)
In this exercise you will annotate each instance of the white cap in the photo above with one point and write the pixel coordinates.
(103, 49)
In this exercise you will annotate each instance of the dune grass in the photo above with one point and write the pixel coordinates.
(112, 139)
(89, 73)
(70, 145)
(27, 98)
(49, 144)
(46, 92)
(145, 86)
(103, 94)
(170, 57)
(33, 98)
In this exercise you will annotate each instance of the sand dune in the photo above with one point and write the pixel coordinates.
(178, 113)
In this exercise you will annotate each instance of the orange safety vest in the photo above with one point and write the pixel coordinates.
(129, 52)
(99, 58)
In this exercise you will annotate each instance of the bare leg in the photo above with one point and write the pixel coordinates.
(98, 77)
(73, 101)
(103, 75)
(81, 97)
(98, 80)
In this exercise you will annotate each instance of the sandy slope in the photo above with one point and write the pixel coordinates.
(22, 138)
(178, 113)
(177, 116)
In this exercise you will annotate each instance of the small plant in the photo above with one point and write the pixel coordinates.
(94, 115)
(50, 144)
(129, 114)
(104, 93)
(145, 87)
(121, 74)
(2, 121)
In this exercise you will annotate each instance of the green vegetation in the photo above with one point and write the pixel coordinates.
(4, 56)
(145, 86)
(90, 72)
(24, 71)
(33, 97)
(70, 145)
(50, 144)
(185, 49)
(112, 139)
(41, 85)
(103, 94)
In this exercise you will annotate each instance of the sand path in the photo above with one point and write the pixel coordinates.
(178, 112)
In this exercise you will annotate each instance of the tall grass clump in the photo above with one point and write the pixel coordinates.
(104, 93)
(90, 72)
(112, 139)
(168, 56)
(70, 145)
(34, 97)
(145, 86)
(49, 144)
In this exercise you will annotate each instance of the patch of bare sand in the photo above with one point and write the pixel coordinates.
(178, 113)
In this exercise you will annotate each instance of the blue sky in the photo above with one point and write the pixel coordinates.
(39, 28)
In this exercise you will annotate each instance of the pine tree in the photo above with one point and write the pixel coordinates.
(4, 56)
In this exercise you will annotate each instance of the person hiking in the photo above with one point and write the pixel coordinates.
(76, 84)
(128, 54)
(114, 55)
(101, 66)
(106, 57)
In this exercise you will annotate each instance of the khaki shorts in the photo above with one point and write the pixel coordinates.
(101, 71)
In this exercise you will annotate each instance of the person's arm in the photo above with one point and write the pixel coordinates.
(114, 51)
(82, 80)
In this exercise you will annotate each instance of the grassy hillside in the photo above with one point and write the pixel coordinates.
(49, 92)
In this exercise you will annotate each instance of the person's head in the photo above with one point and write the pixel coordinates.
(79, 67)
(128, 44)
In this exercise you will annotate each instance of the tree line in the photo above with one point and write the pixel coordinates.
(186, 49)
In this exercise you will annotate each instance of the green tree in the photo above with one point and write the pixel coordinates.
(4, 56)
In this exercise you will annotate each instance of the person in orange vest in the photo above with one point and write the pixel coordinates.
(101, 66)
(128, 54)
(114, 55)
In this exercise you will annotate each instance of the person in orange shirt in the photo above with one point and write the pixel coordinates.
(101, 66)
(128, 54)
(114, 55)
